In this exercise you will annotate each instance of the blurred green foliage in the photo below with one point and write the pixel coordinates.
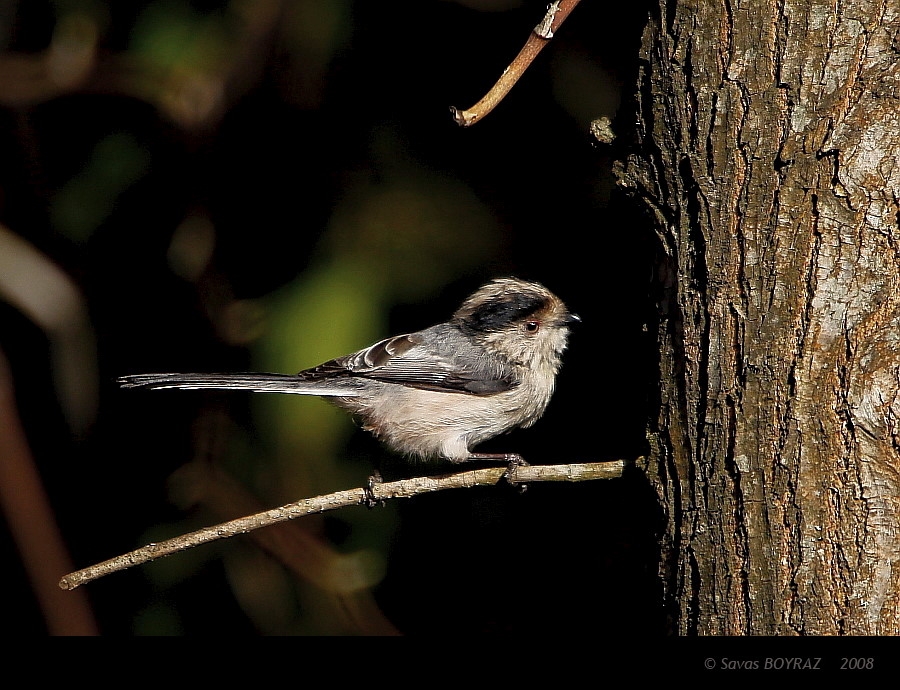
(265, 185)
(89, 198)
(171, 35)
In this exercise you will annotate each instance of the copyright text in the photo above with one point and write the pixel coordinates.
(788, 664)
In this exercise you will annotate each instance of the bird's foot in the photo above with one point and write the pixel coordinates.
(369, 499)
(512, 460)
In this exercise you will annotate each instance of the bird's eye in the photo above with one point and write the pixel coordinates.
(532, 326)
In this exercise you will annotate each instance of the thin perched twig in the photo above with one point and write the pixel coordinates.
(537, 39)
(403, 488)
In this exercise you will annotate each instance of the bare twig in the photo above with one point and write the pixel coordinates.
(403, 488)
(537, 39)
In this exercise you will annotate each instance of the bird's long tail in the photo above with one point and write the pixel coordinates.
(260, 383)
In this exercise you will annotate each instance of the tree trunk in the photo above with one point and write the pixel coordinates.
(769, 152)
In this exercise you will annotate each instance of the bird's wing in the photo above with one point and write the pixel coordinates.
(407, 360)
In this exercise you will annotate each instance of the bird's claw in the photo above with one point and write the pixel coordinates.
(514, 461)
(369, 499)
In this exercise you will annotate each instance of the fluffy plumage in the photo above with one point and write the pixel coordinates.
(439, 391)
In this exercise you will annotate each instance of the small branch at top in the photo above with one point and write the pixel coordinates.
(537, 39)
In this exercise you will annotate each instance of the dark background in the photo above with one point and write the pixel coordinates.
(332, 183)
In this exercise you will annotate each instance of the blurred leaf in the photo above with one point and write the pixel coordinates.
(170, 34)
(419, 232)
(327, 313)
(312, 32)
(316, 29)
(85, 201)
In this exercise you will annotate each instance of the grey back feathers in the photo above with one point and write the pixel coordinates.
(436, 392)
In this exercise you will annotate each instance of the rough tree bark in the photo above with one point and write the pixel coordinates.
(769, 152)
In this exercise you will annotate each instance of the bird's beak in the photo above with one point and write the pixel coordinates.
(570, 319)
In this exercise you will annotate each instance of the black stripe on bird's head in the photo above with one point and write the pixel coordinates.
(502, 302)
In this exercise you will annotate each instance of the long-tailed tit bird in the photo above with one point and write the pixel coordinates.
(438, 392)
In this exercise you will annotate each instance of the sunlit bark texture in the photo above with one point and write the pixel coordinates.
(769, 153)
